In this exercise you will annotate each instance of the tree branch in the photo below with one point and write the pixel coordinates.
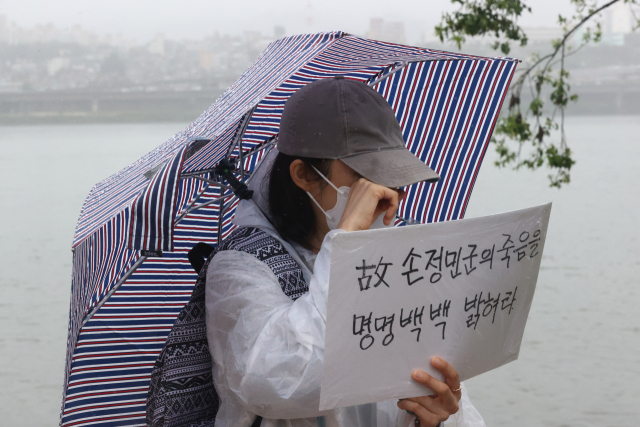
(530, 125)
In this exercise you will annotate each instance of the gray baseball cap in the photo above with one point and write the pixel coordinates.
(344, 119)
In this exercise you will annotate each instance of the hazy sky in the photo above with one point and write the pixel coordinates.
(142, 19)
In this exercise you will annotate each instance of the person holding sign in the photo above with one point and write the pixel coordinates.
(339, 167)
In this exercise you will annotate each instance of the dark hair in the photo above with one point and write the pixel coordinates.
(289, 206)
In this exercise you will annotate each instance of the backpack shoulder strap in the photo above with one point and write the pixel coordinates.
(269, 250)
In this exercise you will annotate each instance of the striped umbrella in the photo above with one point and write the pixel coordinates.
(131, 274)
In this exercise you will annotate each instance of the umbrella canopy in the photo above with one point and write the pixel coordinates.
(131, 274)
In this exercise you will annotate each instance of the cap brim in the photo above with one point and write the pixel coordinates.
(392, 168)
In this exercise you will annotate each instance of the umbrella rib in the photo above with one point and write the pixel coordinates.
(193, 208)
(237, 140)
(187, 210)
(270, 143)
(389, 74)
(212, 182)
(408, 221)
(241, 163)
(115, 287)
(257, 149)
(223, 210)
(220, 221)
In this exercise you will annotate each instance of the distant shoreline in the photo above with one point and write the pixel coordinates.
(87, 107)
(117, 117)
(75, 107)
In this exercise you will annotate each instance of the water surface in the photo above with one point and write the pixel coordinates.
(580, 359)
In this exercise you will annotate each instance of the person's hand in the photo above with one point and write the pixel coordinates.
(366, 202)
(431, 410)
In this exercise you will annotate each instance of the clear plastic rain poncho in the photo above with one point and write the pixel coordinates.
(268, 349)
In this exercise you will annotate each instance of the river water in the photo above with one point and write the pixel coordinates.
(580, 359)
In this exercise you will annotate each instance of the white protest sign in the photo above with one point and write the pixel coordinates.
(460, 290)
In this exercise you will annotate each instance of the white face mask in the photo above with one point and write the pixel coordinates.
(334, 215)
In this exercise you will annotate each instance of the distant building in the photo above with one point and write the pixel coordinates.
(5, 29)
(157, 45)
(618, 23)
(619, 19)
(44, 33)
(386, 31)
(55, 65)
(206, 60)
(542, 34)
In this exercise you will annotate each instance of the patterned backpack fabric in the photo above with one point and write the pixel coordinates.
(181, 392)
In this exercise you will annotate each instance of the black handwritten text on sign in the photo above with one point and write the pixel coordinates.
(429, 266)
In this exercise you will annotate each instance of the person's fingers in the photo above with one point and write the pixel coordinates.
(360, 205)
(426, 417)
(367, 201)
(451, 377)
(449, 401)
(394, 202)
(382, 199)
(433, 405)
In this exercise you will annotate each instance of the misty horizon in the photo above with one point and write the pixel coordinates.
(178, 75)
(141, 21)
